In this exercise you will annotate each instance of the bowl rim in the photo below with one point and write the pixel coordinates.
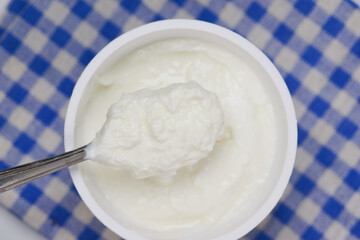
(258, 55)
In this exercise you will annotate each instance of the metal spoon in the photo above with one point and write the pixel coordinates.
(22, 174)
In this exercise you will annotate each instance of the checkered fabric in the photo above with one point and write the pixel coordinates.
(45, 45)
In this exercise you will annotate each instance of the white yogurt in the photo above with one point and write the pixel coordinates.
(227, 183)
(157, 132)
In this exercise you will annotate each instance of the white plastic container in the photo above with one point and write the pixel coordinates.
(267, 74)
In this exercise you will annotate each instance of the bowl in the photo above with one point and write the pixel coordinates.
(264, 69)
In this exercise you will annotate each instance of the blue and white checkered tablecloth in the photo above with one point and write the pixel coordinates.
(45, 45)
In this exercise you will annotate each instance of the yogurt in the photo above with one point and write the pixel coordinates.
(157, 132)
(227, 183)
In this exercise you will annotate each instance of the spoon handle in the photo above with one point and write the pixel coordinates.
(22, 174)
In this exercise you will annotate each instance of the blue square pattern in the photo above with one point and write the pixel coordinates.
(311, 234)
(81, 9)
(302, 135)
(10, 43)
(262, 236)
(304, 185)
(157, 17)
(131, 5)
(333, 26)
(355, 230)
(110, 30)
(326, 157)
(24, 143)
(2, 122)
(347, 128)
(283, 33)
(39, 65)
(86, 56)
(305, 6)
(319, 106)
(355, 49)
(66, 86)
(353, 179)
(255, 11)
(60, 215)
(340, 77)
(46, 115)
(31, 15)
(88, 234)
(283, 213)
(60, 37)
(207, 15)
(292, 83)
(31, 193)
(17, 93)
(311, 55)
(180, 2)
(16, 6)
(333, 208)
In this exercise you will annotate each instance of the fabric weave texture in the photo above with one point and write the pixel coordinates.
(45, 45)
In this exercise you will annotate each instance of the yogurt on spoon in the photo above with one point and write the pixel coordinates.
(157, 132)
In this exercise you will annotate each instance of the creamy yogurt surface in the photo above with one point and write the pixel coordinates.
(225, 184)
(154, 133)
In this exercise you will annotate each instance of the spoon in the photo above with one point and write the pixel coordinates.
(22, 174)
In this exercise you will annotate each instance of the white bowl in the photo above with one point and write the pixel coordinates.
(262, 66)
